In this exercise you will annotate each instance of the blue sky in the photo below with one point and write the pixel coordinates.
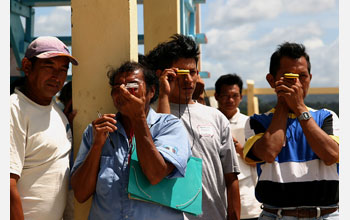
(242, 35)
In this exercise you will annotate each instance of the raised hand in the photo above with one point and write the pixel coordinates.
(101, 128)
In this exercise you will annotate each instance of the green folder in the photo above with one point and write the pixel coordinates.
(184, 193)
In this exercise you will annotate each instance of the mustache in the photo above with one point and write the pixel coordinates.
(53, 83)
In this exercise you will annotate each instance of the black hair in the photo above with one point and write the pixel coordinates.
(165, 54)
(131, 66)
(291, 50)
(228, 79)
(66, 93)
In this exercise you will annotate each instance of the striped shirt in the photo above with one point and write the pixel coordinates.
(297, 177)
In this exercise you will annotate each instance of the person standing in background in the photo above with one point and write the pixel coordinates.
(228, 94)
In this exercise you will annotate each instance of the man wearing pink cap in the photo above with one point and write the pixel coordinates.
(40, 136)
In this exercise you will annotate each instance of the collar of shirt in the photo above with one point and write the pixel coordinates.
(235, 117)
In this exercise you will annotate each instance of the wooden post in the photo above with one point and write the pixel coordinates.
(161, 20)
(250, 97)
(104, 34)
(256, 105)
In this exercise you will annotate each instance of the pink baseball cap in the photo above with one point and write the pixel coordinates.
(48, 47)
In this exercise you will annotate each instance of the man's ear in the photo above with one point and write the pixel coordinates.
(216, 96)
(152, 92)
(271, 80)
(26, 66)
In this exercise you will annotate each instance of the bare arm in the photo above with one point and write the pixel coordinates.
(151, 161)
(84, 178)
(166, 82)
(320, 142)
(233, 197)
(270, 144)
(16, 210)
(163, 104)
(239, 150)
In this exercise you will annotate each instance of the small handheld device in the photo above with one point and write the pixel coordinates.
(182, 72)
(291, 75)
(132, 87)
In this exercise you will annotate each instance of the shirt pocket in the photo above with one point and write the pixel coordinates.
(106, 176)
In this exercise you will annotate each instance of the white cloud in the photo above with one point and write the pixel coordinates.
(325, 65)
(313, 43)
(239, 50)
(292, 33)
(57, 23)
(221, 43)
(236, 12)
(309, 6)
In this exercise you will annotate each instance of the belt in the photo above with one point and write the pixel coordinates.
(302, 212)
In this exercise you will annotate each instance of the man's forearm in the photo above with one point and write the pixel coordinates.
(84, 178)
(320, 142)
(152, 163)
(233, 197)
(163, 104)
(270, 144)
(16, 210)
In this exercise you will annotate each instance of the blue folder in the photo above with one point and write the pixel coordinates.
(184, 193)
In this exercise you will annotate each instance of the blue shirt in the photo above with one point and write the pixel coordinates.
(297, 177)
(110, 200)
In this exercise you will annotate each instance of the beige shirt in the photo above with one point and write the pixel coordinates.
(40, 143)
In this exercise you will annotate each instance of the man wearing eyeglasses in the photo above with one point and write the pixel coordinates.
(228, 94)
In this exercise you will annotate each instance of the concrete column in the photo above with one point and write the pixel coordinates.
(161, 20)
(104, 34)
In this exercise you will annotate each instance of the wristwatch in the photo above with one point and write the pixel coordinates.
(304, 116)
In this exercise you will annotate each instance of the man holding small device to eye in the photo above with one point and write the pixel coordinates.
(175, 63)
(102, 167)
(296, 148)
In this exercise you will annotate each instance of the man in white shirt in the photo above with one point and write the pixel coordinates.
(228, 93)
(40, 135)
(208, 129)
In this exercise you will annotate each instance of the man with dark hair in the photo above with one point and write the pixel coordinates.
(228, 94)
(40, 135)
(208, 128)
(101, 168)
(296, 148)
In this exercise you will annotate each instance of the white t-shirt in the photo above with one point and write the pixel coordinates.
(40, 143)
(250, 207)
(212, 143)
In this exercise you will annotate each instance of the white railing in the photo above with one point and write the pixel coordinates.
(253, 102)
